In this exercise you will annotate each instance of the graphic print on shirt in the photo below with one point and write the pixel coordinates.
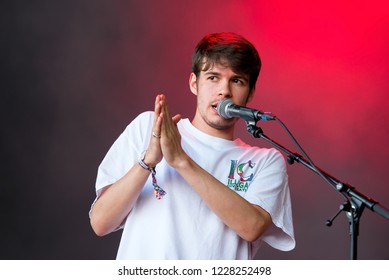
(240, 175)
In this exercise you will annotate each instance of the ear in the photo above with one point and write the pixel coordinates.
(193, 83)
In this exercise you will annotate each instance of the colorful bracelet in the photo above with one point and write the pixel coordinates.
(158, 191)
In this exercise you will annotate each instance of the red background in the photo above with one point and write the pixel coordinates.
(76, 73)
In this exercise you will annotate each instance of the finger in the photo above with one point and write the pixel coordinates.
(176, 118)
(165, 107)
(156, 132)
(167, 122)
(157, 107)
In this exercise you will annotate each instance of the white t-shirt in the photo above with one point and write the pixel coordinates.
(180, 225)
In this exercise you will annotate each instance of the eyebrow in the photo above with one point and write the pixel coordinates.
(236, 76)
(211, 73)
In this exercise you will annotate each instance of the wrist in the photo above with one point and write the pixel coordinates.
(158, 191)
(181, 163)
(149, 163)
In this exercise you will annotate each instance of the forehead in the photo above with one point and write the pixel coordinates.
(208, 63)
(224, 67)
(220, 64)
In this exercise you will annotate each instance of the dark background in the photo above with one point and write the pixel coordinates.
(75, 73)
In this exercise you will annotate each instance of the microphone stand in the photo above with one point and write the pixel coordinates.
(355, 202)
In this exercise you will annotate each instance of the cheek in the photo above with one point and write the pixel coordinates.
(205, 91)
(245, 93)
(242, 98)
(203, 87)
(201, 101)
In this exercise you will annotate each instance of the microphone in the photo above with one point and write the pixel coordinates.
(227, 109)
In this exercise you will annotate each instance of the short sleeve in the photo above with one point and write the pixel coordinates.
(270, 190)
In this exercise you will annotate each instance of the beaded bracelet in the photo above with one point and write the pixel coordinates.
(158, 191)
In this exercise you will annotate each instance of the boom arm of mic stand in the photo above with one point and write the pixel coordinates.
(339, 186)
(356, 201)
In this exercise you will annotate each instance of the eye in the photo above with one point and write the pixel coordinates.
(212, 78)
(238, 81)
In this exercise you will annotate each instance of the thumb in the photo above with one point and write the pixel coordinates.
(176, 118)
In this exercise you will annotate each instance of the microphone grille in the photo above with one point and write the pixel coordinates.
(222, 108)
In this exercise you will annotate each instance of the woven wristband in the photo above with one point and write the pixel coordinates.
(158, 191)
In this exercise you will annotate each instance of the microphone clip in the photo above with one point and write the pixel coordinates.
(253, 129)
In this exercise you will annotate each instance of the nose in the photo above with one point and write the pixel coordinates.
(225, 90)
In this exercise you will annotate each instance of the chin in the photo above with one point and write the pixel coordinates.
(222, 124)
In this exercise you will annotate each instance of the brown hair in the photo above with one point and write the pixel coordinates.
(229, 49)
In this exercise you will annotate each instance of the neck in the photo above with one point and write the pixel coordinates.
(226, 132)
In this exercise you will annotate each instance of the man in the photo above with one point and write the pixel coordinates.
(214, 197)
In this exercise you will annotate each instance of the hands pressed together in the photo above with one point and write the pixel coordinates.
(165, 141)
(115, 203)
